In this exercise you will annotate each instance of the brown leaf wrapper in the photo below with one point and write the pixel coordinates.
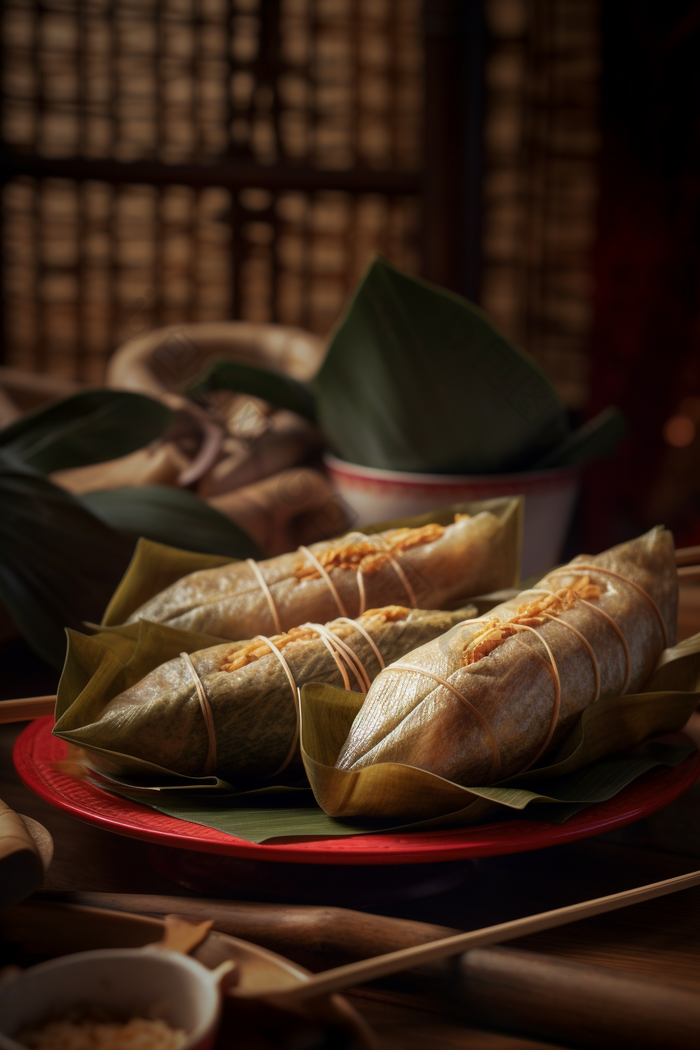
(476, 551)
(130, 698)
(410, 727)
(390, 791)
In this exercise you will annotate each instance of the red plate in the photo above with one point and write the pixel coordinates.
(37, 750)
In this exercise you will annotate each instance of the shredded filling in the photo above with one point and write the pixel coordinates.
(259, 647)
(367, 556)
(364, 557)
(532, 614)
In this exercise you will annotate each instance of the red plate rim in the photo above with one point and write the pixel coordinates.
(37, 750)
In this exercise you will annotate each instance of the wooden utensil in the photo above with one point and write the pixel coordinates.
(688, 556)
(343, 977)
(571, 1003)
(26, 708)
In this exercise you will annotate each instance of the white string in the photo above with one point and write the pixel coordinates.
(297, 707)
(326, 577)
(404, 580)
(343, 654)
(361, 590)
(267, 592)
(368, 637)
(339, 651)
(607, 617)
(399, 572)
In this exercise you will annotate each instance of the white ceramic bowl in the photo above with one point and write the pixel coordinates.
(125, 982)
(550, 495)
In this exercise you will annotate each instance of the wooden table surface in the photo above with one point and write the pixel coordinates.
(659, 939)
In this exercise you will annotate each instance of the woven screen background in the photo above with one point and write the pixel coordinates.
(124, 116)
(323, 84)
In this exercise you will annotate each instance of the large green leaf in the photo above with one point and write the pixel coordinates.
(58, 563)
(86, 428)
(171, 516)
(416, 378)
(594, 440)
(282, 814)
(275, 387)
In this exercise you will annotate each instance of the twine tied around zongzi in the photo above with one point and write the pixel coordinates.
(266, 592)
(345, 658)
(324, 575)
(583, 566)
(401, 575)
(551, 664)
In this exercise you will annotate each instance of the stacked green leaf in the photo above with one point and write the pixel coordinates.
(417, 378)
(61, 556)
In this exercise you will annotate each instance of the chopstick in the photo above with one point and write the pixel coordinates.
(688, 556)
(343, 977)
(494, 988)
(26, 708)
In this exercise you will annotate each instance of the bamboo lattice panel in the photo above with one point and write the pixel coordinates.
(175, 93)
(144, 109)
(541, 181)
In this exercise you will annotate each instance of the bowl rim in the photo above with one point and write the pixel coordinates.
(408, 478)
(209, 1008)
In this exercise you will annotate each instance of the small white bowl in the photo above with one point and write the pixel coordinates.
(125, 983)
(381, 495)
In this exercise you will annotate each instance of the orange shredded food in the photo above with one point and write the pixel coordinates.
(254, 650)
(531, 614)
(367, 556)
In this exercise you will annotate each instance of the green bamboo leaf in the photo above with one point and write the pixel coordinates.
(596, 439)
(416, 378)
(86, 428)
(276, 387)
(154, 567)
(274, 814)
(266, 815)
(171, 516)
(58, 563)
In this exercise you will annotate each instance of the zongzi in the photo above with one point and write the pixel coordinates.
(232, 710)
(490, 697)
(432, 566)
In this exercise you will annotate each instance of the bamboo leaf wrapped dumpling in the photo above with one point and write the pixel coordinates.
(487, 699)
(432, 566)
(231, 710)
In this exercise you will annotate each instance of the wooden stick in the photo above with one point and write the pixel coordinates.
(369, 969)
(26, 708)
(688, 556)
(689, 574)
(506, 989)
